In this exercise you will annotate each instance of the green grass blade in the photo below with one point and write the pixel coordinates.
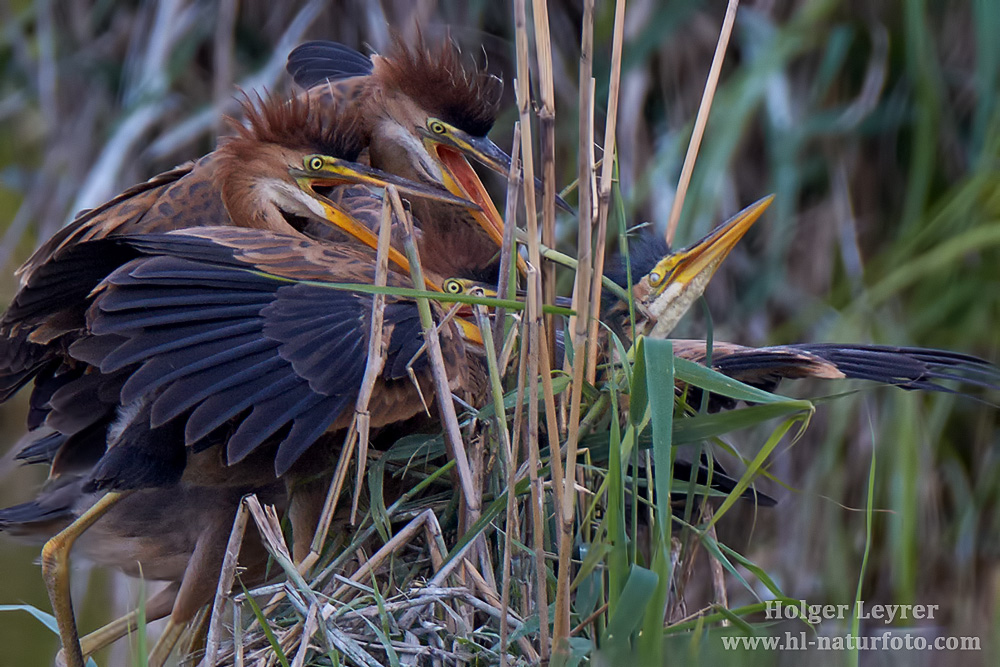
(266, 627)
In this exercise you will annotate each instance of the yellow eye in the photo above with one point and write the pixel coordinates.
(452, 286)
(436, 126)
(662, 271)
(314, 163)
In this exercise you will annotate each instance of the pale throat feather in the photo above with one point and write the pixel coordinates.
(259, 202)
(400, 151)
(672, 303)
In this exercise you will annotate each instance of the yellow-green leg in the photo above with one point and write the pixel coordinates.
(55, 570)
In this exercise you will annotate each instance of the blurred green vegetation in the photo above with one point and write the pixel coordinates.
(876, 124)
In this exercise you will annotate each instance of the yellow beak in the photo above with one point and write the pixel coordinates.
(677, 280)
(704, 257)
(470, 331)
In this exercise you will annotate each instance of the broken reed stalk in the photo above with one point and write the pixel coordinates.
(308, 630)
(269, 526)
(375, 363)
(718, 574)
(376, 358)
(359, 430)
(701, 120)
(508, 249)
(604, 193)
(300, 594)
(226, 577)
(579, 326)
(197, 634)
(547, 137)
(425, 522)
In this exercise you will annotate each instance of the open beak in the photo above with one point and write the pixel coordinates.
(487, 153)
(462, 181)
(705, 256)
(681, 277)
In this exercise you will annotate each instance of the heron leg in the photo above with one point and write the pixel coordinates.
(305, 507)
(55, 570)
(201, 578)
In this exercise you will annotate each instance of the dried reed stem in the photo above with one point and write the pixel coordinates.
(579, 326)
(547, 136)
(512, 527)
(536, 327)
(226, 576)
(701, 120)
(358, 433)
(500, 419)
(604, 193)
(453, 439)
(535, 347)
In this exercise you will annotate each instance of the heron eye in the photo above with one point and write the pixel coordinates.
(314, 163)
(437, 127)
(452, 286)
(655, 278)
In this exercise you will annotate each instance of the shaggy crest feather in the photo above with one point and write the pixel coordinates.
(436, 80)
(297, 123)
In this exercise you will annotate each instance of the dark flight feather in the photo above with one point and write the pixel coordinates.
(313, 63)
(277, 360)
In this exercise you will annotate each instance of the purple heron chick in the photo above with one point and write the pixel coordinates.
(425, 113)
(670, 281)
(221, 359)
(263, 177)
(267, 180)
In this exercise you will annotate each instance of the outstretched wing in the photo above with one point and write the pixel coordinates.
(907, 367)
(56, 280)
(222, 331)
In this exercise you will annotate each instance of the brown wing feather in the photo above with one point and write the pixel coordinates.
(213, 332)
(338, 94)
(181, 197)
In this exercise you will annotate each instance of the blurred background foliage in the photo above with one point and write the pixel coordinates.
(876, 123)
